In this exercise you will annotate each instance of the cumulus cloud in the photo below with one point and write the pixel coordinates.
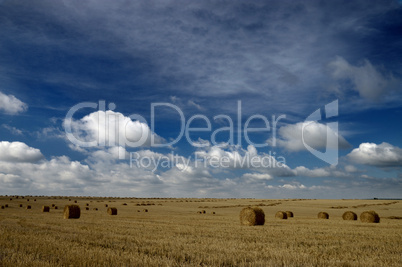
(293, 137)
(257, 176)
(367, 80)
(12, 105)
(319, 172)
(382, 155)
(109, 128)
(293, 186)
(18, 152)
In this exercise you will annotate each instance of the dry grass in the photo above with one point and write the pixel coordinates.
(175, 235)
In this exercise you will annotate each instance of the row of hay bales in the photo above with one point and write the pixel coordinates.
(74, 211)
(204, 212)
(256, 216)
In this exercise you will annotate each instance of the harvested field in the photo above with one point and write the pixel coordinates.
(175, 235)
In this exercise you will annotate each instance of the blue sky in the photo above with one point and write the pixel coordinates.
(273, 58)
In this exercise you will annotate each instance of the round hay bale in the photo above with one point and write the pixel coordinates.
(28, 199)
(204, 212)
(2, 207)
(72, 212)
(323, 215)
(199, 212)
(55, 207)
(213, 212)
(281, 215)
(75, 201)
(86, 208)
(145, 210)
(35, 199)
(87, 204)
(369, 217)
(45, 208)
(349, 216)
(106, 205)
(6, 205)
(252, 216)
(138, 211)
(95, 208)
(21, 206)
(124, 204)
(28, 207)
(112, 211)
(289, 214)
(11, 199)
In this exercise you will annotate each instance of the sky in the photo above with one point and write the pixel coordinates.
(239, 99)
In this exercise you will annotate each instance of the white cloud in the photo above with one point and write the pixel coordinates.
(319, 172)
(293, 186)
(109, 128)
(365, 79)
(314, 134)
(257, 176)
(12, 129)
(351, 168)
(382, 155)
(18, 152)
(12, 105)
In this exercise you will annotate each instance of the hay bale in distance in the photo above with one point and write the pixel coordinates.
(145, 210)
(6, 205)
(203, 211)
(213, 212)
(21, 206)
(252, 216)
(323, 215)
(55, 207)
(106, 205)
(28, 207)
(95, 208)
(45, 208)
(349, 216)
(289, 214)
(124, 204)
(75, 201)
(281, 215)
(369, 217)
(86, 208)
(112, 211)
(72, 212)
(2, 207)
(87, 204)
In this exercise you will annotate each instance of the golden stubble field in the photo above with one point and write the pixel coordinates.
(172, 233)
